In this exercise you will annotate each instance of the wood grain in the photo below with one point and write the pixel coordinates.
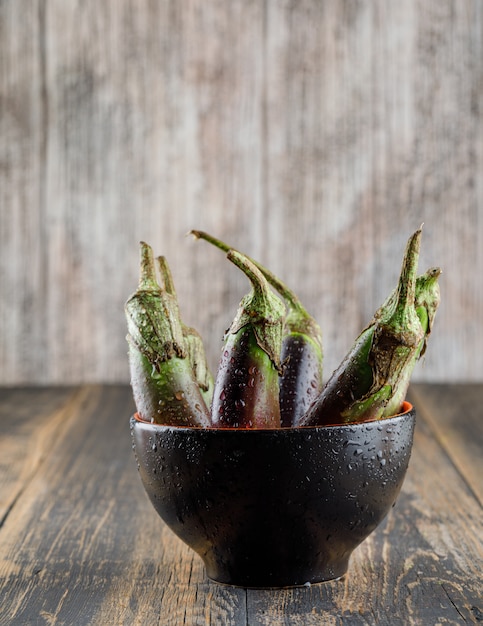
(81, 543)
(454, 413)
(32, 419)
(315, 136)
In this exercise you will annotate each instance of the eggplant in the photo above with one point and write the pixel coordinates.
(162, 380)
(246, 393)
(370, 376)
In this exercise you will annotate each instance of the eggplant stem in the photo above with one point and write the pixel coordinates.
(253, 274)
(167, 282)
(406, 290)
(147, 270)
(291, 298)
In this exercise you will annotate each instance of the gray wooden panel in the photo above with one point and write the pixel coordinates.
(314, 136)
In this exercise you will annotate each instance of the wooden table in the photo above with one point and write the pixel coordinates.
(81, 544)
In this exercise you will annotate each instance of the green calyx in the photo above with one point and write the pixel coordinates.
(369, 407)
(152, 313)
(197, 358)
(261, 309)
(193, 342)
(300, 322)
(427, 301)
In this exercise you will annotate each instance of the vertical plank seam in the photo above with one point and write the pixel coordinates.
(42, 186)
(264, 178)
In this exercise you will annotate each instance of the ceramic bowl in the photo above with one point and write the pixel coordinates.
(274, 508)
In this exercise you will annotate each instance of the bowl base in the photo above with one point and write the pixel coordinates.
(307, 584)
(256, 580)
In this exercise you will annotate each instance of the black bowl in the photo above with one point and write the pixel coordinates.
(274, 508)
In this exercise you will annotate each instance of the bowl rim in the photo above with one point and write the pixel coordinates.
(407, 409)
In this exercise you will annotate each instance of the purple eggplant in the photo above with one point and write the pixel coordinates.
(367, 383)
(246, 393)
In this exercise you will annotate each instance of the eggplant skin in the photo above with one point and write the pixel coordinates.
(246, 387)
(350, 381)
(301, 380)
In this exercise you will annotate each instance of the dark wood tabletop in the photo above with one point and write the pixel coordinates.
(81, 544)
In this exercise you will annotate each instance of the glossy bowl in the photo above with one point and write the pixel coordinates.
(274, 508)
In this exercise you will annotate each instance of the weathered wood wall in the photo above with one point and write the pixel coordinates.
(315, 136)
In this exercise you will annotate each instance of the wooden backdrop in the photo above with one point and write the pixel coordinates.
(314, 135)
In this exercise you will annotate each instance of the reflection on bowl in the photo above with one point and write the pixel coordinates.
(274, 508)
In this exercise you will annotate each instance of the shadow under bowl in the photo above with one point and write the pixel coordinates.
(274, 508)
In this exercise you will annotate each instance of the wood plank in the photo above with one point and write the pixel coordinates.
(455, 415)
(31, 420)
(24, 235)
